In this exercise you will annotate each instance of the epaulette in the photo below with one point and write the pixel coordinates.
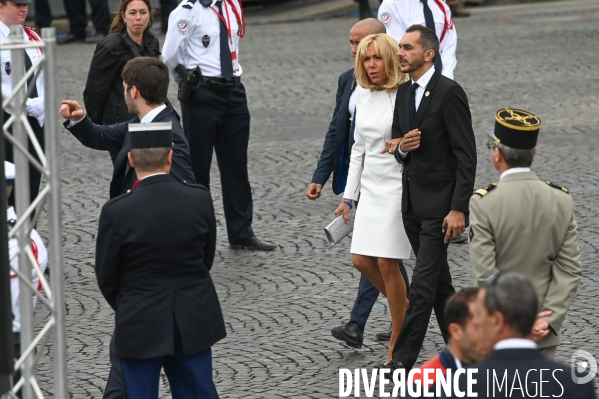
(485, 190)
(564, 189)
(190, 3)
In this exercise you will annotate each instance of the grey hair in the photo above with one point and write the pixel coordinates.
(514, 296)
(515, 158)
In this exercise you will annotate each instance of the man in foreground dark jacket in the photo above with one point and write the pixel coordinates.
(505, 313)
(154, 251)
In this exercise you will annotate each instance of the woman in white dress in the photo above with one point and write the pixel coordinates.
(379, 239)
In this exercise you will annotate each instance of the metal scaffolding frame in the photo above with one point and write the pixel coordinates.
(52, 294)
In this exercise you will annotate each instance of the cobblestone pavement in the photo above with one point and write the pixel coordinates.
(280, 306)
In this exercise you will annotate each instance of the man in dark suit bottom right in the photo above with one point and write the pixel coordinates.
(515, 368)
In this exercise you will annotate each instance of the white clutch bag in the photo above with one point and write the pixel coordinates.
(338, 229)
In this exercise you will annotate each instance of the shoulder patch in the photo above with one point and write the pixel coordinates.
(564, 189)
(485, 190)
(188, 4)
(385, 18)
(183, 26)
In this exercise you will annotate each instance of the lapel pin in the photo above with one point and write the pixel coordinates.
(427, 93)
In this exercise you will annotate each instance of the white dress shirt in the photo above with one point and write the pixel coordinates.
(193, 38)
(515, 343)
(35, 106)
(422, 82)
(149, 117)
(352, 105)
(153, 174)
(512, 171)
(399, 15)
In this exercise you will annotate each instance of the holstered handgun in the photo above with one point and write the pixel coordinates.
(189, 82)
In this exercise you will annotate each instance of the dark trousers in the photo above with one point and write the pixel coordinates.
(220, 120)
(367, 296)
(115, 386)
(189, 376)
(17, 375)
(35, 176)
(43, 14)
(431, 286)
(77, 16)
(166, 6)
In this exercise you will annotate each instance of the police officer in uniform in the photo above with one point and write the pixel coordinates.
(14, 12)
(155, 273)
(204, 36)
(399, 15)
(526, 225)
(41, 256)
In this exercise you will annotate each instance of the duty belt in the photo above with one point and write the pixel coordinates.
(219, 83)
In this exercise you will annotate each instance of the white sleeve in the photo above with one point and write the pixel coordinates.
(42, 252)
(177, 38)
(391, 16)
(447, 48)
(14, 285)
(356, 162)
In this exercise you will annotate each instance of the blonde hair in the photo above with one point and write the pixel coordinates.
(387, 48)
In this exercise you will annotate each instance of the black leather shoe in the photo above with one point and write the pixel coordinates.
(252, 243)
(69, 38)
(385, 335)
(393, 365)
(350, 333)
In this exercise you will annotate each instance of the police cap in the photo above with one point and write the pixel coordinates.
(150, 135)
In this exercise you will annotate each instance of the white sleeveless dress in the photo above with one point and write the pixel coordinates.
(375, 179)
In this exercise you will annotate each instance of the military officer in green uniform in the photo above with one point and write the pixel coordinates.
(526, 225)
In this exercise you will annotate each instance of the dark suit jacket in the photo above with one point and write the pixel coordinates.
(340, 132)
(556, 377)
(154, 251)
(438, 176)
(116, 138)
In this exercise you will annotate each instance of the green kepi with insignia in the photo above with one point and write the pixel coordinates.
(151, 135)
(516, 129)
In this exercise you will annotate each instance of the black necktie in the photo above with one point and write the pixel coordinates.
(430, 23)
(226, 62)
(413, 104)
(30, 81)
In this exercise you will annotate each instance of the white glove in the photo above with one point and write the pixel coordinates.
(35, 108)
